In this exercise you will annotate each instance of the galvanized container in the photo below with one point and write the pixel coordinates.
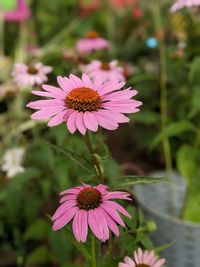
(154, 199)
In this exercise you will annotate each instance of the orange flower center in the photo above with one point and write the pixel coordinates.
(32, 70)
(89, 198)
(83, 99)
(92, 35)
(105, 66)
(142, 265)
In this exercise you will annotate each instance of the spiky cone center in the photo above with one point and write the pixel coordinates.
(89, 198)
(105, 66)
(142, 265)
(32, 70)
(83, 99)
(92, 35)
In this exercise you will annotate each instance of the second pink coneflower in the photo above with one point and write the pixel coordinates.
(91, 207)
(92, 42)
(104, 71)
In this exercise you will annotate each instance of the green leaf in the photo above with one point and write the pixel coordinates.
(130, 180)
(38, 256)
(173, 129)
(187, 161)
(195, 103)
(164, 247)
(146, 117)
(194, 70)
(37, 231)
(79, 159)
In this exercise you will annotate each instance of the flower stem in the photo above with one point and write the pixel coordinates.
(93, 251)
(163, 97)
(94, 157)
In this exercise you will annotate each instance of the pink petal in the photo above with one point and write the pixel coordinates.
(118, 207)
(68, 197)
(79, 123)
(55, 94)
(105, 123)
(63, 208)
(53, 89)
(93, 222)
(103, 223)
(76, 80)
(71, 122)
(160, 263)
(112, 212)
(65, 218)
(90, 121)
(110, 86)
(63, 84)
(57, 119)
(39, 104)
(80, 226)
(74, 191)
(101, 188)
(111, 223)
(46, 113)
(86, 81)
(129, 261)
(117, 195)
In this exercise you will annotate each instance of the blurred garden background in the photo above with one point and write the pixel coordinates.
(157, 51)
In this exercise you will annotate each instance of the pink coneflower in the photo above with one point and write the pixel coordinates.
(104, 71)
(84, 105)
(30, 75)
(143, 259)
(93, 207)
(179, 4)
(21, 13)
(92, 42)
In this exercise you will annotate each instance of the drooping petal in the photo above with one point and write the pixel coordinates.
(80, 124)
(112, 212)
(71, 122)
(118, 207)
(63, 208)
(64, 219)
(90, 121)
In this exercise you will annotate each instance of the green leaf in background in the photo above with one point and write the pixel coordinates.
(187, 161)
(37, 231)
(194, 74)
(40, 255)
(79, 159)
(129, 180)
(173, 129)
(8, 5)
(195, 103)
(146, 117)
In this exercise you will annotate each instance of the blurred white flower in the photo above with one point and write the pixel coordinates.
(12, 161)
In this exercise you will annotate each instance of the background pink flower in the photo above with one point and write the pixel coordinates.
(92, 42)
(25, 76)
(84, 105)
(104, 71)
(179, 4)
(21, 13)
(93, 207)
(143, 258)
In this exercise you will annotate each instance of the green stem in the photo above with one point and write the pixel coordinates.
(1, 32)
(163, 97)
(94, 157)
(93, 251)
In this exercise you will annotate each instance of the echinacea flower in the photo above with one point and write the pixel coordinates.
(21, 13)
(83, 105)
(179, 4)
(90, 207)
(12, 161)
(25, 76)
(104, 71)
(92, 42)
(143, 259)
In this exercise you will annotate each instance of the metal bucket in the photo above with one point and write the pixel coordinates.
(154, 199)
